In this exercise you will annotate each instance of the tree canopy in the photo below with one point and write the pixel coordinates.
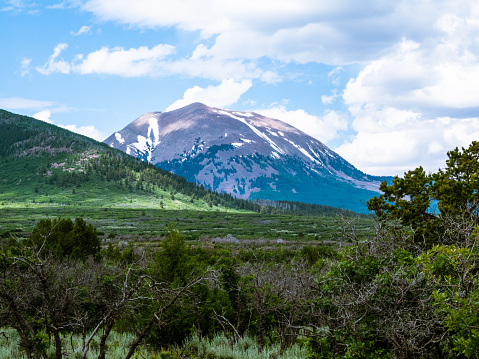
(66, 238)
(425, 201)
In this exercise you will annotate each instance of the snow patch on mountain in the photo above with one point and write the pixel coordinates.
(303, 151)
(244, 114)
(318, 157)
(155, 130)
(119, 138)
(255, 130)
(143, 146)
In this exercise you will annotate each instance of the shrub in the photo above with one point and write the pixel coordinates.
(66, 238)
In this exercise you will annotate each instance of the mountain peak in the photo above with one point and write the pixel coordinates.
(195, 106)
(245, 154)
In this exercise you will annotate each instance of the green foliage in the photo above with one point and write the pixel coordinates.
(173, 262)
(375, 302)
(66, 238)
(423, 201)
(454, 271)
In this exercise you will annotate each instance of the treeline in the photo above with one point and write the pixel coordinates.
(301, 208)
(137, 176)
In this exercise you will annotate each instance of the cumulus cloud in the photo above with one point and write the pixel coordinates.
(144, 61)
(89, 131)
(419, 100)
(324, 128)
(54, 64)
(225, 94)
(43, 116)
(387, 149)
(132, 62)
(338, 32)
(435, 79)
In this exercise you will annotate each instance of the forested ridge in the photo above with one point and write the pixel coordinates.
(408, 291)
(89, 160)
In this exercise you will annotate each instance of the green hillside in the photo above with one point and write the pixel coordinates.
(44, 165)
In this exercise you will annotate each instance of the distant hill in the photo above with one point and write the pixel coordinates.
(247, 155)
(44, 165)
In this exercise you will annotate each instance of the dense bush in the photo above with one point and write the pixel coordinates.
(66, 238)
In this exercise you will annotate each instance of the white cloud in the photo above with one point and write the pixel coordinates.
(439, 78)
(20, 6)
(334, 32)
(335, 75)
(53, 65)
(225, 94)
(83, 30)
(391, 141)
(328, 100)
(144, 61)
(89, 131)
(390, 149)
(413, 104)
(214, 69)
(43, 116)
(324, 128)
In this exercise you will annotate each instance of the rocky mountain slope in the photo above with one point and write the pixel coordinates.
(247, 155)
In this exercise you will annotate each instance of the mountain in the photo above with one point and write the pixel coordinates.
(44, 165)
(246, 154)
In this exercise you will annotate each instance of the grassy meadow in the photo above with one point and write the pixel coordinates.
(147, 224)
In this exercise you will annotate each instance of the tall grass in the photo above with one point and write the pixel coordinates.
(217, 347)
(118, 345)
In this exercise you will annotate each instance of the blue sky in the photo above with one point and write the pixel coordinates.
(389, 85)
